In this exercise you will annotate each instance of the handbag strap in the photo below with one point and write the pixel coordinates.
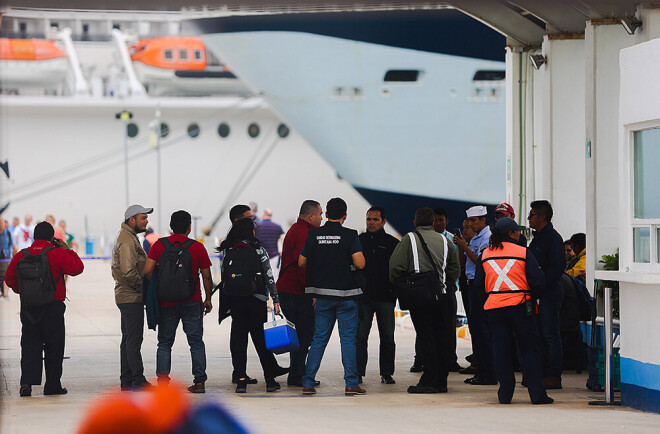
(428, 253)
(413, 243)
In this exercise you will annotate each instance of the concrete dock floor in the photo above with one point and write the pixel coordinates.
(92, 367)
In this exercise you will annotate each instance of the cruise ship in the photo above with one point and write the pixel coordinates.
(100, 109)
(407, 105)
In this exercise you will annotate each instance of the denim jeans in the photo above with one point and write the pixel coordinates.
(191, 315)
(384, 311)
(327, 311)
(549, 308)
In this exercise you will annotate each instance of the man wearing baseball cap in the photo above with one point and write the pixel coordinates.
(128, 260)
(505, 209)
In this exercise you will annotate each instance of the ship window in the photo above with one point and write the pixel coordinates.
(116, 26)
(164, 130)
(488, 75)
(283, 131)
(193, 130)
(183, 54)
(402, 75)
(132, 130)
(55, 24)
(198, 55)
(168, 55)
(22, 26)
(253, 130)
(223, 130)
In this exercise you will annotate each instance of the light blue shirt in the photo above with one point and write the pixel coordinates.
(477, 244)
(449, 235)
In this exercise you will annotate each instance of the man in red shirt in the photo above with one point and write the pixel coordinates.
(298, 306)
(42, 334)
(189, 312)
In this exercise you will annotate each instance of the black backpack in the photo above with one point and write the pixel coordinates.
(585, 302)
(35, 281)
(175, 277)
(241, 271)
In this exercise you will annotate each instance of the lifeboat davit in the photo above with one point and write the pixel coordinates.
(179, 65)
(31, 63)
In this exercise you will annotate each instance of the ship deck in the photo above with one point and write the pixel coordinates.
(92, 367)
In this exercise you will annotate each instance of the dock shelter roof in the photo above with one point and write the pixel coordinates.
(524, 22)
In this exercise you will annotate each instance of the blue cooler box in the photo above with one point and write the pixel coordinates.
(280, 335)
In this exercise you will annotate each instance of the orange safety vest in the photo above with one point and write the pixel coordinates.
(506, 281)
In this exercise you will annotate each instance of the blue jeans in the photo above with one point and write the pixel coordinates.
(549, 308)
(345, 312)
(191, 315)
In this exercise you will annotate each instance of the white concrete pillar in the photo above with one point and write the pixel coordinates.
(604, 39)
(558, 149)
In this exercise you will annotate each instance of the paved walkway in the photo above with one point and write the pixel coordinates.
(92, 366)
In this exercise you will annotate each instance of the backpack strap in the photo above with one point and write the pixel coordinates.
(26, 252)
(189, 242)
(165, 242)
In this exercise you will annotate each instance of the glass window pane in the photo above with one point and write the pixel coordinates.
(646, 174)
(641, 245)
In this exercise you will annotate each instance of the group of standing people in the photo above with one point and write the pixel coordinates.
(329, 274)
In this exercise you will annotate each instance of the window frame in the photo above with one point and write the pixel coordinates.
(171, 51)
(653, 266)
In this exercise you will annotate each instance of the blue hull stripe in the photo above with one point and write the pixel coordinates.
(400, 208)
(445, 31)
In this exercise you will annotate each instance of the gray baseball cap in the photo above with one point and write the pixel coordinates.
(136, 209)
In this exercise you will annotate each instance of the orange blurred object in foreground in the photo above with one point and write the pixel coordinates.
(157, 410)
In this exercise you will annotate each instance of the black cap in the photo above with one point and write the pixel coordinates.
(506, 224)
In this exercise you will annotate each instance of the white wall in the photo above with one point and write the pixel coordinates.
(559, 124)
(603, 42)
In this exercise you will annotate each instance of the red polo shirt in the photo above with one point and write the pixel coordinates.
(60, 261)
(292, 277)
(200, 260)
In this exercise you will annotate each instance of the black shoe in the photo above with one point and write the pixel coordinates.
(417, 367)
(422, 389)
(470, 359)
(26, 390)
(60, 391)
(455, 368)
(478, 381)
(546, 400)
(470, 370)
(241, 386)
(234, 379)
(387, 379)
(280, 371)
(272, 385)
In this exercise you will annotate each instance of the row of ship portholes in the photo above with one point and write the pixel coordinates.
(194, 130)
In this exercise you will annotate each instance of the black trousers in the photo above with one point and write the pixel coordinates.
(505, 323)
(130, 349)
(431, 324)
(299, 310)
(452, 357)
(43, 340)
(248, 315)
(385, 318)
(480, 333)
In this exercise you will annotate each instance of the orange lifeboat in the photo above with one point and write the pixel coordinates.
(31, 63)
(29, 49)
(181, 66)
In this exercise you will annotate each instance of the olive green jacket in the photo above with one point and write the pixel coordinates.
(401, 261)
(128, 260)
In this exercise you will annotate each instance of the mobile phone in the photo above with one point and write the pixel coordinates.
(458, 232)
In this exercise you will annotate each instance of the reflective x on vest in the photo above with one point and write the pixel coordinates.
(502, 276)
